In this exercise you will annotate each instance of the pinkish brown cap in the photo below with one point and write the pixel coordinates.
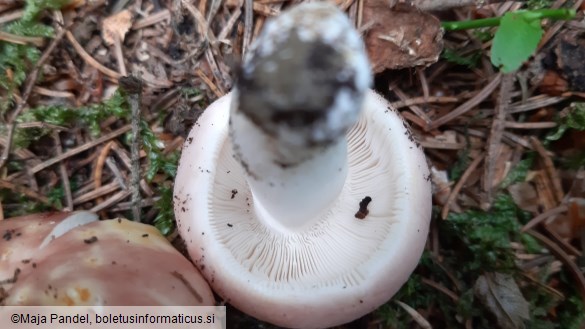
(110, 263)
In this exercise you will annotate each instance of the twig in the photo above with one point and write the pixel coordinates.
(11, 16)
(529, 125)
(80, 149)
(64, 174)
(564, 258)
(495, 139)
(441, 288)
(24, 190)
(248, 17)
(152, 19)
(565, 245)
(21, 40)
(448, 4)
(421, 100)
(416, 316)
(28, 87)
(111, 201)
(99, 166)
(54, 93)
(119, 55)
(90, 60)
(535, 103)
(465, 107)
(96, 193)
(549, 167)
(230, 24)
(257, 7)
(121, 178)
(133, 86)
(459, 185)
(213, 9)
(218, 93)
(417, 110)
(123, 206)
(545, 215)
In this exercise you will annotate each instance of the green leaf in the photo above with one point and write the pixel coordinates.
(515, 40)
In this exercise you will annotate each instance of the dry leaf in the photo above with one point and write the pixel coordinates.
(401, 36)
(116, 26)
(525, 196)
(501, 295)
(416, 316)
(441, 186)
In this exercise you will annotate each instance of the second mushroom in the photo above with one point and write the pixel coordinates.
(302, 195)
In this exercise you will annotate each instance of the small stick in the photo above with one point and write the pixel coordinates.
(565, 259)
(119, 55)
(28, 87)
(79, 149)
(96, 193)
(459, 185)
(99, 166)
(421, 101)
(494, 142)
(549, 167)
(152, 19)
(90, 60)
(11, 16)
(248, 22)
(545, 215)
(24, 190)
(133, 86)
(417, 110)
(20, 40)
(468, 105)
(114, 199)
(64, 175)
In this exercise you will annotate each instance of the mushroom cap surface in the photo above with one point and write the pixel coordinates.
(338, 269)
(22, 236)
(113, 262)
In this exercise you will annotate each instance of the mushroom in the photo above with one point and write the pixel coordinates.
(302, 195)
(74, 259)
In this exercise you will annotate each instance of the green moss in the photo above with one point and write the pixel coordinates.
(470, 61)
(16, 60)
(575, 119)
(164, 220)
(90, 117)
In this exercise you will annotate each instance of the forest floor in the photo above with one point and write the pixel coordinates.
(506, 148)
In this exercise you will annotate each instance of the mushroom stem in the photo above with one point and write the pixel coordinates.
(298, 92)
(292, 194)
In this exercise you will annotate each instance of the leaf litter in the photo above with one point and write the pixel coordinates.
(518, 230)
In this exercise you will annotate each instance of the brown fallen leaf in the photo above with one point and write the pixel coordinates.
(501, 295)
(400, 37)
(116, 26)
(525, 196)
(553, 84)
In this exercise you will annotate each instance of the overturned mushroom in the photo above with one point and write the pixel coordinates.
(333, 199)
(75, 259)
